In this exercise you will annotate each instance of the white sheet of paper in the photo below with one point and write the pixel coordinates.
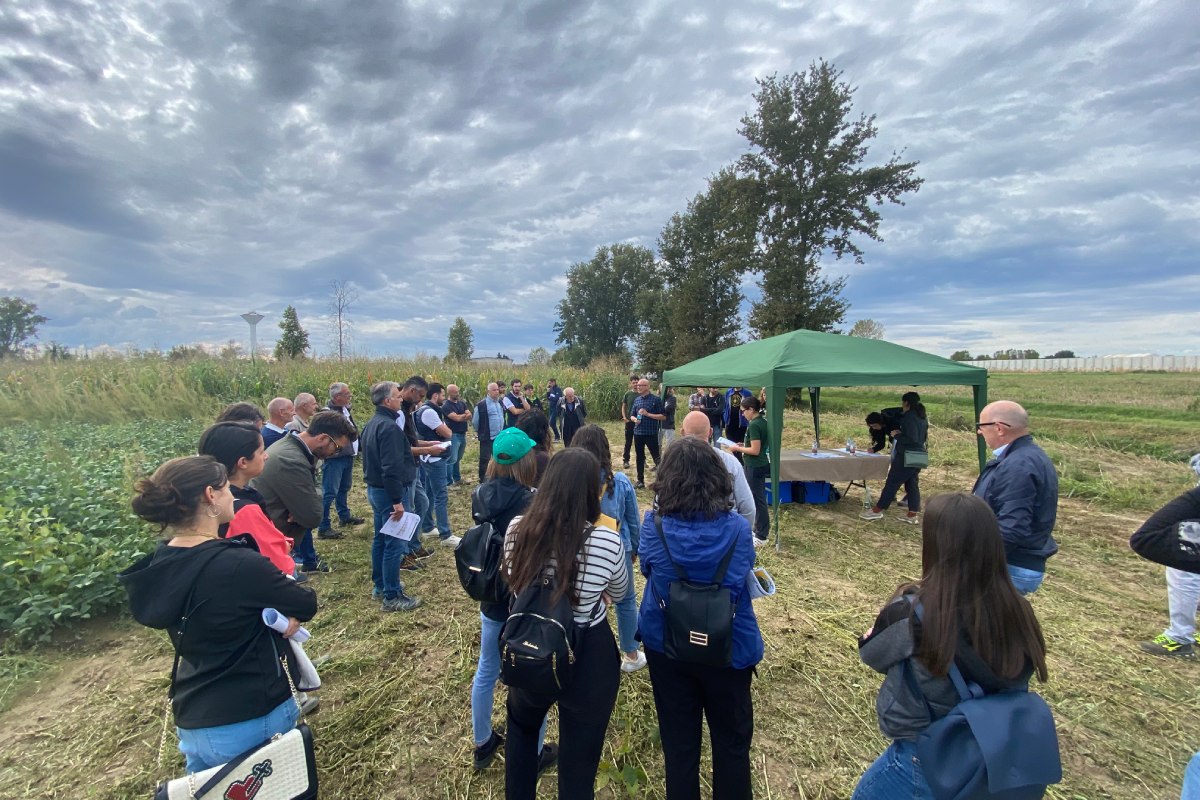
(402, 528)
(820, 455)
(723, 442)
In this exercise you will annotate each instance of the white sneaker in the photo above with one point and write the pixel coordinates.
(758, 542)
(451, 540)
(635, 664)
(869, 514)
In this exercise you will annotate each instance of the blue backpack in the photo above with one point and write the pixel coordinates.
(1000, 746)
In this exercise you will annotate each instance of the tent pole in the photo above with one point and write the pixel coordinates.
(814, 399)
(775, 400)
(981, 400)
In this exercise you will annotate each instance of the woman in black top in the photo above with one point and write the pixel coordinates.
(511, 476)
(973, 618)
(208, 593)
(911, 435)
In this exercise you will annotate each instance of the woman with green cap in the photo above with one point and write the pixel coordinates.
(505, 494)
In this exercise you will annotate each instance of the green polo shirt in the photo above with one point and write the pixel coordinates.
(757, 430)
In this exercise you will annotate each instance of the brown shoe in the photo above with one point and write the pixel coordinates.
(411, 563)
(422, 553)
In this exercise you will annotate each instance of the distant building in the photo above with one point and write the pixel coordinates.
(498, 360)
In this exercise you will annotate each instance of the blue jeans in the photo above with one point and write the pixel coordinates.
(335, 486)
(553, 415)
(483, 687)
(304, 551)
(897, 773)
(416, 502)
(203, 748)
(1191, 780)
(458, 444)
(627, 611)
(1026, 581)
(433, 478)
(386, 551)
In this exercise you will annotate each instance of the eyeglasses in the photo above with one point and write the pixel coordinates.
(981, 425)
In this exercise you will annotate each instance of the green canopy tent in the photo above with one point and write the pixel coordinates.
(810, 359)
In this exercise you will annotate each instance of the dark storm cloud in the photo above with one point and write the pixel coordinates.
(188, 159)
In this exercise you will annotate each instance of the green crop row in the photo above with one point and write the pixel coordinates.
(66, 527)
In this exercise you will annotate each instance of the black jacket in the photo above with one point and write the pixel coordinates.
(387, 458)
(1162, 538)
(229, 667)
(499, 501)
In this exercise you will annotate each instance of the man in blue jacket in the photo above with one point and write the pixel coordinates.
(1021, 486)
(388, 470)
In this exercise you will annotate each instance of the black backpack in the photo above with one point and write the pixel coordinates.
(478, 558)
(539, 640)
(698, 617)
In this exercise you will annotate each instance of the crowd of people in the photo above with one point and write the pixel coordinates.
(240, 522)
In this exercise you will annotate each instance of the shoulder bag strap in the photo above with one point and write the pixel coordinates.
(966, 690)
(723, 567)
(659, 529)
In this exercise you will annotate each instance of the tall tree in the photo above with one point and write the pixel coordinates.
(293, 342)
(704, 252)
(597, 317)
(19, 322)
(867, 329)
(343, 298)
(815, 196)
(538, 357)
(461, 342)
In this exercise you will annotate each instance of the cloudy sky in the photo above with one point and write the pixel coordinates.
(166, 166)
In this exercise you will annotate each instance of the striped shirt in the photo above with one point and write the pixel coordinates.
(602, 569)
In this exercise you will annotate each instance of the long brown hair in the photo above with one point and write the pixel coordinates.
(591, 437)
(692, 481)
(556, 524)
(523, 470)
(965, 586)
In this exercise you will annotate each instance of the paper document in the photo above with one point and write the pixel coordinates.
(723, 442)
(443, 445)
(402, 528)
(820, 455)
(309, 681)
(278, 622)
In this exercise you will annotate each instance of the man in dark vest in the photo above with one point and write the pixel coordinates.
(488, 421)
(432, 427)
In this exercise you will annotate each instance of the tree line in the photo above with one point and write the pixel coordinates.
(802, 193)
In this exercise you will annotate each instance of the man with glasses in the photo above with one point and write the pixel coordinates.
(337, 473)
(1021, 486)
(288, 482)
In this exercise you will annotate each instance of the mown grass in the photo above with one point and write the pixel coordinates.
(81, 718)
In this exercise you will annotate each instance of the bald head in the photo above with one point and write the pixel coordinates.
(1008, 412)
(280, 410)
(696, 424)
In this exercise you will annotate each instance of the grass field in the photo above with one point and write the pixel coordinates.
(80, 717)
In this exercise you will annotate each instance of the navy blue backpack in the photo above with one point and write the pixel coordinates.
(1000, 746)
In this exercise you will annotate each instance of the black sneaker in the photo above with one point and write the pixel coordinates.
(548, 757)
(625, 465)
(329, 533)
(487, 751)
(640, 485)
(1163, 645)
(321, 566)
(353, 521)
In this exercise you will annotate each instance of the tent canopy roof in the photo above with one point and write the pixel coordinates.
(810, 358)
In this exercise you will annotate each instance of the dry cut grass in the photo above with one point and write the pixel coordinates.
(395, 717)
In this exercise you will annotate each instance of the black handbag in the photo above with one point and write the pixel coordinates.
(698, 617)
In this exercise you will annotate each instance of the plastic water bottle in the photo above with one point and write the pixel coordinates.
(816, 447)
(850, 446)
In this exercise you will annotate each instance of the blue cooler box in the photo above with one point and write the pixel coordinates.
(815, 492)
(785, 492)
